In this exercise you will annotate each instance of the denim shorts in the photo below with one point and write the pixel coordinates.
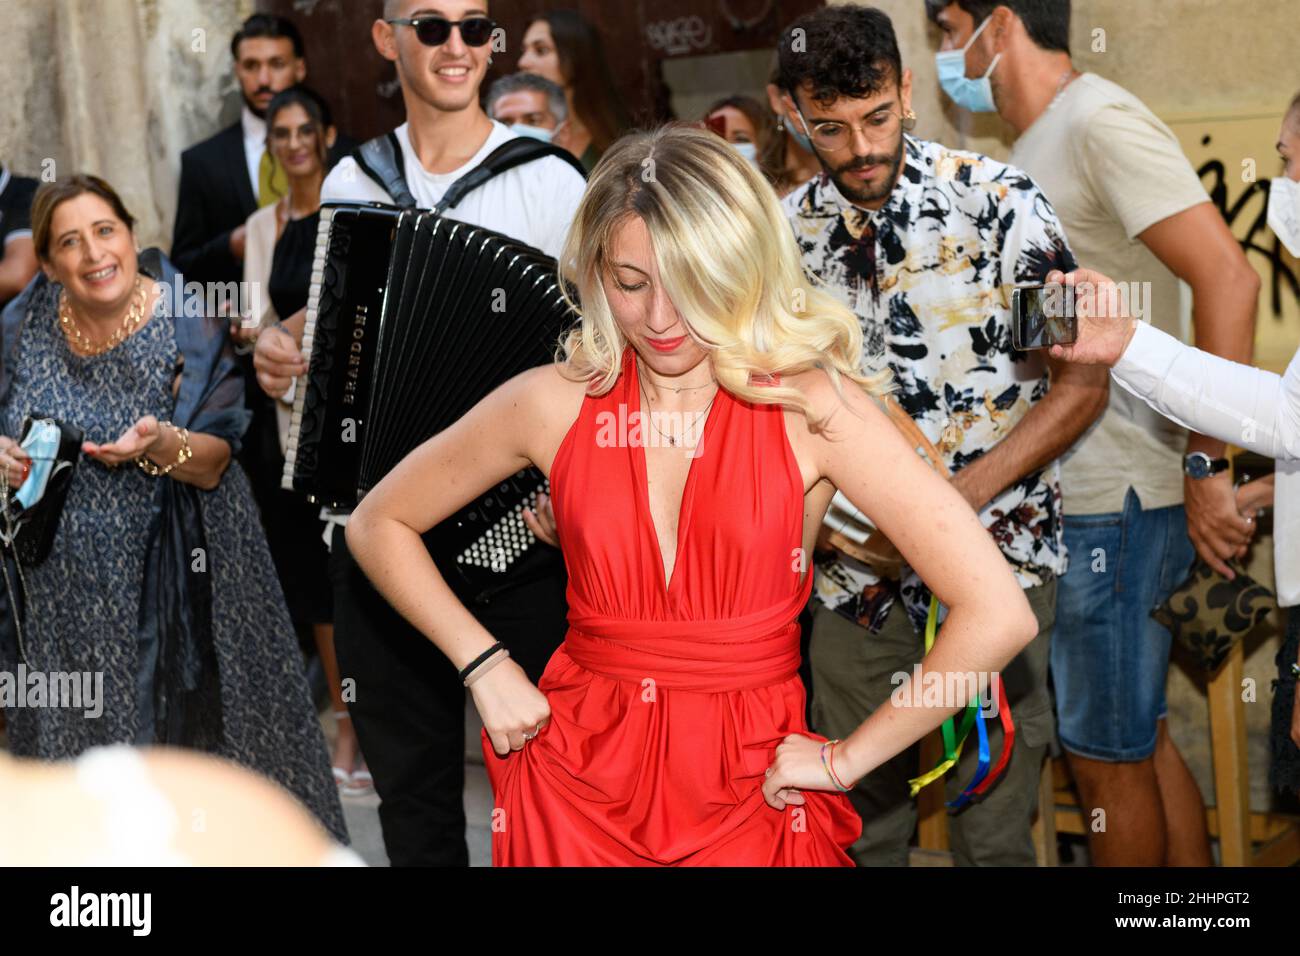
(1110, 660)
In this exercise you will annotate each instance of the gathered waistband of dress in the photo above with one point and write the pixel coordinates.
(756, 650)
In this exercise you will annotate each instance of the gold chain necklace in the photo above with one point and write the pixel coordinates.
(672, 439)
(82, 344)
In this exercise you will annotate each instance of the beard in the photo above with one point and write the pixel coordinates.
(859, 192)
(253, 108)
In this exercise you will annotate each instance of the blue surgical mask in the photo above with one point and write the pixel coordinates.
(536, 132)
(41, 445)
(975, 95)
(800, 137)
(748, 150)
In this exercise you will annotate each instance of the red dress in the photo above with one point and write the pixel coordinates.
(668, 702)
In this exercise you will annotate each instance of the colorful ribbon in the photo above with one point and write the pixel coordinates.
(954, 738)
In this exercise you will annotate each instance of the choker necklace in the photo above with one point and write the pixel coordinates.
(649, 416)
(675, 389)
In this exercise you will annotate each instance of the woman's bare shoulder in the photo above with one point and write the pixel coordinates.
(548, 395)
(554, 382)
(827, 404)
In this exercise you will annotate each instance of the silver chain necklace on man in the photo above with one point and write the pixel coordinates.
(1062, 83)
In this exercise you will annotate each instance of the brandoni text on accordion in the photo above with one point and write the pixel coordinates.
(412, 318)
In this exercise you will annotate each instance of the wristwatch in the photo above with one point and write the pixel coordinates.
(1200, 465)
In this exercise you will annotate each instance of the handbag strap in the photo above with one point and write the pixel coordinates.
(912, 432)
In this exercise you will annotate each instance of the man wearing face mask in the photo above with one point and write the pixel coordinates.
(924, 243)
(529, 104)
(1139, 492)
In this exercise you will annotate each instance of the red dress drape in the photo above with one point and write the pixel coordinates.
(668, 700)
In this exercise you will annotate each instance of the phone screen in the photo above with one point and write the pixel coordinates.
(1043, 316)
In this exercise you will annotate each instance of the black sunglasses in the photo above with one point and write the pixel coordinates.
(435, 31)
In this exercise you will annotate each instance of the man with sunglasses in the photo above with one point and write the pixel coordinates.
(409, 707)
(925, 243)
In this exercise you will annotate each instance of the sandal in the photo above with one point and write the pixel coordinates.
(360, 785)
(342, 776)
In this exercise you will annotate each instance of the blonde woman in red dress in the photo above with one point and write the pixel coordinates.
(707, 409)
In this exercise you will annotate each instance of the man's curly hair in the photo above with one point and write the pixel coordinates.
(843, 50)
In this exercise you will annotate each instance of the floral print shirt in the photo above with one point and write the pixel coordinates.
(930, 275)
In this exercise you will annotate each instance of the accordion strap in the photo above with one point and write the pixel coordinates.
(507, 156)
(381, 159)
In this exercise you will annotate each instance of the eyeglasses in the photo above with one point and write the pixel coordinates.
(880, 127)
(435, 31)
(281, 135)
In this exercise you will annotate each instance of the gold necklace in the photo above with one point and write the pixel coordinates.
(672, 439)
(677, 389)
(82, 344)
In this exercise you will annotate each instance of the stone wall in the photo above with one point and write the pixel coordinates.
(117, 88)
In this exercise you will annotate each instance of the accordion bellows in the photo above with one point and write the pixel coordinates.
(412, 318)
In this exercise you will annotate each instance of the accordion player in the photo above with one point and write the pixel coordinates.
(412, 318)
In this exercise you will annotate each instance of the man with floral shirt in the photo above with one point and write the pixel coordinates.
(925, 244)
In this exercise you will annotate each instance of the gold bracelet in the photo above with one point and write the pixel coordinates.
(184, 455)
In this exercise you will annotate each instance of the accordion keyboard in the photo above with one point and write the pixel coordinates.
(502, 544)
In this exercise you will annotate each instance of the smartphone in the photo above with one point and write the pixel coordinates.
(1043, 316)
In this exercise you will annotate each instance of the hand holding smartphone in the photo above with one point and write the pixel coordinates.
(1043, 316)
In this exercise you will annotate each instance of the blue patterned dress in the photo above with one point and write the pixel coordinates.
(83, 604)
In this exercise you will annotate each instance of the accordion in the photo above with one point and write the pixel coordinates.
(412, 318)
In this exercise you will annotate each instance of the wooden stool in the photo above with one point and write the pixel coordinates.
(1231, 822)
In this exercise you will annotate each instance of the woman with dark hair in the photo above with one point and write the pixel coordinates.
(563, 46)
(281, 244)
(749, 128)
(158, 584)
(791, 151)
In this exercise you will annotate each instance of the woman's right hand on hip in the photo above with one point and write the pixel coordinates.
(512, 708)
(14, 461)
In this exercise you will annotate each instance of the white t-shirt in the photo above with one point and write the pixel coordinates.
(534, 203)
(1111, 170)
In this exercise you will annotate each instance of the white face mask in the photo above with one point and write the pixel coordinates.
(748, 150)
(536, 132)
(1284, 212)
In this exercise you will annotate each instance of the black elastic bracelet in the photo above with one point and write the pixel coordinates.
(479, 660)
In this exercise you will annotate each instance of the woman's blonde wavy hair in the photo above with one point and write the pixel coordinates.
(728, 261)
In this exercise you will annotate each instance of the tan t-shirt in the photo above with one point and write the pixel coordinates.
(1111, 169)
